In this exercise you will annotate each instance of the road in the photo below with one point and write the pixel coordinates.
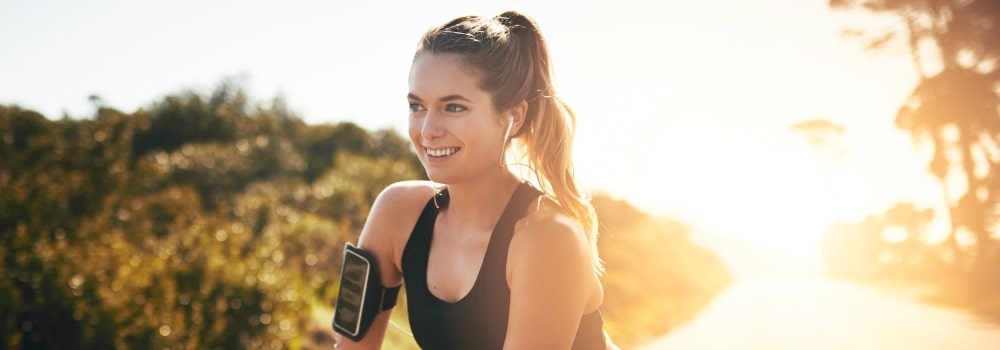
(802, 309)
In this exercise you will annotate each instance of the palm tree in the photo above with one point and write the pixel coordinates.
(954, 48)
(824, 137)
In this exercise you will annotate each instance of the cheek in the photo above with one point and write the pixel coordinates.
(415, 142)
(414, 131)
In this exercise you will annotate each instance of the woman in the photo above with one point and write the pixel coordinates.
(488, 260)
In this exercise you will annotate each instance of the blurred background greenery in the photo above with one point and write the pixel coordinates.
(217, 221)
(953, 112)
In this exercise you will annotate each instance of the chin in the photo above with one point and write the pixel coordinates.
(438, 177)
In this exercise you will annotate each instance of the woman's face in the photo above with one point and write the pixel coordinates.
(455, 129)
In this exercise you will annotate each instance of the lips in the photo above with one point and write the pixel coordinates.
(441, 152)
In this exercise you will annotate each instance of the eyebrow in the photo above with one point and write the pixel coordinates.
(448, 98)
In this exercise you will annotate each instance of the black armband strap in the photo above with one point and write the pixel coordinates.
(361, 295)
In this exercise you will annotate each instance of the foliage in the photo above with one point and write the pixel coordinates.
(954, 107)
(196, 224)
(655, 279)
(209, 222)
(890, 245)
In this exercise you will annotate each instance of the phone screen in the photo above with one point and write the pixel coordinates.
(353, 286)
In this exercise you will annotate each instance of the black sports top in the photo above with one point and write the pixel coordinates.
(479, 319)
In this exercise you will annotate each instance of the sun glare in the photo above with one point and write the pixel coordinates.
(779, 201)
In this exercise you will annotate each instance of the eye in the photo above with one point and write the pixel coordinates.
(416, 107)
(454, 108)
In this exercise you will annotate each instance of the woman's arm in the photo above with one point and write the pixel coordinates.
(372, 340)
(551, 277)
(386, 229)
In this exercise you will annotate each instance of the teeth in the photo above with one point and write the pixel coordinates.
(441, 152)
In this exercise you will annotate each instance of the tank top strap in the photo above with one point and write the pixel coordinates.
(418, 247)
(516, 208)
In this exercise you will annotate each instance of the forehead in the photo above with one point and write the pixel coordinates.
(434, 75)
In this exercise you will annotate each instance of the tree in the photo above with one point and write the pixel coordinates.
(954, 48)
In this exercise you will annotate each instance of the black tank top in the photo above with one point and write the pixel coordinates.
(478, 320)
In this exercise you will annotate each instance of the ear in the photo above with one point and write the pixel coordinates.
(518, 114)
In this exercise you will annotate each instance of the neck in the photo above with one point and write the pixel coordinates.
(478, 204)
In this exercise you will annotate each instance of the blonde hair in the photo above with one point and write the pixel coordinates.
(512, 56)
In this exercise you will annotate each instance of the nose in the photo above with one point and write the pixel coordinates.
(432, 127)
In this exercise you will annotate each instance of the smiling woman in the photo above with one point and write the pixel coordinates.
(491, 260)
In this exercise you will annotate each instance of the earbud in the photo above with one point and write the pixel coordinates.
(506, 135)
(510, 123)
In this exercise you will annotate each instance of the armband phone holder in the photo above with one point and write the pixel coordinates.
(361, 295)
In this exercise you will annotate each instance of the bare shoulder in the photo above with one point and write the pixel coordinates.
(397, 202)
(402, 195)
(547, 235)
(546, 222)
(392, 217)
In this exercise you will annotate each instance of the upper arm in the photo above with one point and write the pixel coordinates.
(389, 223)
(386, 230)
(550, 275)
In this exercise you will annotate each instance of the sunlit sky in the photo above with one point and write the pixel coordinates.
(684, 106)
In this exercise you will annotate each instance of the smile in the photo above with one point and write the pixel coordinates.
(443, 152)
